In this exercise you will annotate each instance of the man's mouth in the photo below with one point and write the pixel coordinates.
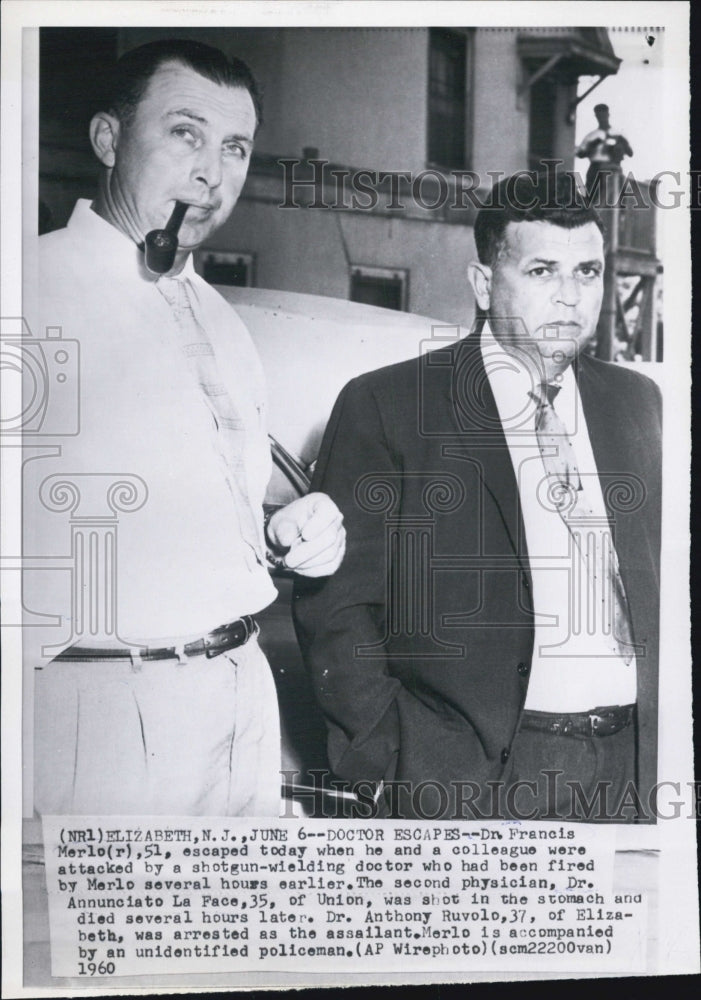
(205, 208)
(566, 326)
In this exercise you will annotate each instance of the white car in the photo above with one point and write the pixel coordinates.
(311, 346)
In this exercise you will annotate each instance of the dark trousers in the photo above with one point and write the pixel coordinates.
(561, 776)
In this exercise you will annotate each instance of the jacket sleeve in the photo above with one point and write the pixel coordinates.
(341, 619)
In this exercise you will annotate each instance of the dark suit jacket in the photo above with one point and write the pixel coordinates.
(420, 645)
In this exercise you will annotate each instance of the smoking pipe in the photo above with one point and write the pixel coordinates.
(161, 245)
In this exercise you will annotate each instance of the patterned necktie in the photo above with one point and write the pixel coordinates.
(228, 428)
(591, 533)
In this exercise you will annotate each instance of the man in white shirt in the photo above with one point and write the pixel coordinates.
(489, 646)
(604, 148)
(159, 700)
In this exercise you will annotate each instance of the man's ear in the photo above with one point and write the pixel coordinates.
(481, 280)
(104, 136)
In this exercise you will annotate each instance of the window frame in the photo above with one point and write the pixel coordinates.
(231, 257)
(393, 274)
(467, 35)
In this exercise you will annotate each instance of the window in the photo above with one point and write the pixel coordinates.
(542, 126)
(376, 286)
(220, 267)
(448, 82)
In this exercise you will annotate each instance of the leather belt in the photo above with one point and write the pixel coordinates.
(599, 722)
(218, 641)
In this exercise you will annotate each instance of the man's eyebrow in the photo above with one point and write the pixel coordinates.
(186, 113)
(544, 262)
(193, 116)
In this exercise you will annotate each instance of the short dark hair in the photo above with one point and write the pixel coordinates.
(530, 197)
(132, 72)
(598, 108)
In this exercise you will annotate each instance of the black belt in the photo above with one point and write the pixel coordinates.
(218, 641)
(598, 722)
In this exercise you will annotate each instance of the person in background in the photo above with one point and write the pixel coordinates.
(604, 148)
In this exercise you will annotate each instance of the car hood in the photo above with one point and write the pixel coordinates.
(312, 345)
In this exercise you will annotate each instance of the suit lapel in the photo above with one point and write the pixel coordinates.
(601, 420)
(606, 420)
(625, 445)
(472, 409)
(613, 426)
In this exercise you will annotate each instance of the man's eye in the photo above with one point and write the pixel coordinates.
(539, 272)
(186, 133)
(235, 149)
(590, 271)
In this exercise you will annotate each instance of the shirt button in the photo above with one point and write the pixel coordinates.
(523, 668)
(524, 581)
(505, 754)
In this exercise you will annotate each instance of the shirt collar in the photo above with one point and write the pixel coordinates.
(511, 381)
(119, 250)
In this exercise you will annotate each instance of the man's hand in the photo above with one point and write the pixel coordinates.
(310, 533)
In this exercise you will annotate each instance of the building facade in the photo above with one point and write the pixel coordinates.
(375, 142)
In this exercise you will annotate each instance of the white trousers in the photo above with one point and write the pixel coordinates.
(196, 738)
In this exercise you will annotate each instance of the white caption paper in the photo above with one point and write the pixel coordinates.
(135, 896)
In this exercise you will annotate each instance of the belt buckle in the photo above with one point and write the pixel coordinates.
(605, 724)
(210, 650)
(212, 647)
(594, 723)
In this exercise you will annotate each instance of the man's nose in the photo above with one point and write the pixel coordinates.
(567, 291)
(208, 166)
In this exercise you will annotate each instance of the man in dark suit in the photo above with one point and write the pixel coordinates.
(489, 647)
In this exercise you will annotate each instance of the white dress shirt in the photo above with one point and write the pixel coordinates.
(180, 568)
(573, 668)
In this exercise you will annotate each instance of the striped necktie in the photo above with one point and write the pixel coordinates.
(229, 434)
(591, 533)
